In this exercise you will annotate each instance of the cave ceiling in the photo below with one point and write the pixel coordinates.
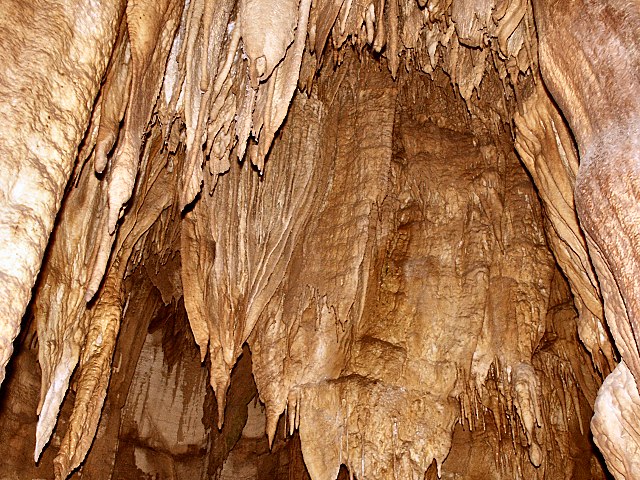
(362, 211)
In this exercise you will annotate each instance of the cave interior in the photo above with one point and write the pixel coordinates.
(314, 240)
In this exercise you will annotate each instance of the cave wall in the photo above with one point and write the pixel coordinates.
(339, 190)
(430, 324)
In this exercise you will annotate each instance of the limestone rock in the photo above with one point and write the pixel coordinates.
(355, 220)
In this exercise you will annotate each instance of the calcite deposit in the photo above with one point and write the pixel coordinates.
(319, 239)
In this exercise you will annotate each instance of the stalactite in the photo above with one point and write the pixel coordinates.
(60, 72)
(60, 308)
(151, 28)
(113, 100)
(248, 250)
(388, 263)
(267, 31)
(95, 372)
(547, 149)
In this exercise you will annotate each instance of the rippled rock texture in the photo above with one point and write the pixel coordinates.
(320, 240)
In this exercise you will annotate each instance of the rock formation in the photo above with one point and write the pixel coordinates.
(322, 239)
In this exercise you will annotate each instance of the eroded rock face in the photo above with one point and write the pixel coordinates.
(415, 304)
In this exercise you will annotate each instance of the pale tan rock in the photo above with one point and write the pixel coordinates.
(267, 31)
(48, 85)
(472, 20)
(60, 308)
(166, 418)
(378, 244)
(113, 99)
(225, 297)
(151, 28)
(546, 148)
(595, 93)
(614, 424)
(66, 324)
(95, 371)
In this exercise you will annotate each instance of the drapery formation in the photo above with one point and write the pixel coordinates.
(170, 126)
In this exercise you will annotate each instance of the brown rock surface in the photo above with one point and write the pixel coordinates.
(354, 220)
